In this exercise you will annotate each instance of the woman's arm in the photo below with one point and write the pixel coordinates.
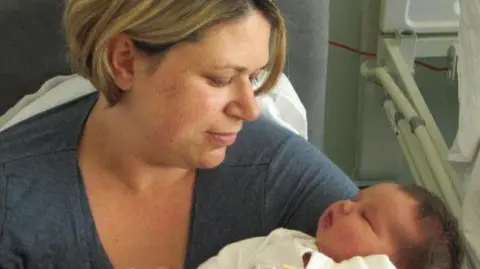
(302, 182)
(235, 255)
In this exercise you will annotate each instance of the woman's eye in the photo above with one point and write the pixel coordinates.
(218, 82)
(254, 79)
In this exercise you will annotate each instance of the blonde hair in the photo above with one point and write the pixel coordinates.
(155, 26)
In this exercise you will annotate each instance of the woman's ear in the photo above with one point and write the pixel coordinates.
(122, 54)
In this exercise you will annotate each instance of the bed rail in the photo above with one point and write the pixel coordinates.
(420, 139)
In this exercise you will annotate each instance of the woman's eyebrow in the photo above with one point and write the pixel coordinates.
(238, 68)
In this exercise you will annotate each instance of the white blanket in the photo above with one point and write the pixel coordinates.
(281, 105)
(284, 249)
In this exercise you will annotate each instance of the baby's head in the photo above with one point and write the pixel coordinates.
(409, 224)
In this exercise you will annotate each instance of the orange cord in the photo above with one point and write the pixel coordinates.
(373, 54)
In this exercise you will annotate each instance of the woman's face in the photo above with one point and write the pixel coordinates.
(191, 107)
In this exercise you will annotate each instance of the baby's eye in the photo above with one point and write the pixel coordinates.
(365, 217)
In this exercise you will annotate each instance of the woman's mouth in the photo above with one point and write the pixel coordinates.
(223, 139)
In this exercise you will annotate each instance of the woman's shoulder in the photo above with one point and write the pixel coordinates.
(299, 181)
(264, 142)
(258, 143)
(55, 130)
(40, 192)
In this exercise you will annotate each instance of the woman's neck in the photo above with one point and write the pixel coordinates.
(108, 145)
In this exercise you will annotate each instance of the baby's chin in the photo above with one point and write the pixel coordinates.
(326, 251)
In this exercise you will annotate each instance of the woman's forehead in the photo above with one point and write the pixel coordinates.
(244, 44)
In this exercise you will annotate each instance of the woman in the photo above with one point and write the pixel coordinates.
(170, 161)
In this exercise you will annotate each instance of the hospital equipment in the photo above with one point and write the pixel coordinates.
(434, 28)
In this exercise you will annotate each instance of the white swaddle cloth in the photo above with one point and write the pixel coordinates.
(282, 104)
(284, 249)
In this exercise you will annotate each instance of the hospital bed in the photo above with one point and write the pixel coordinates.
(411, 29)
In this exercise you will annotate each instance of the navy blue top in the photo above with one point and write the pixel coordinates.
(270, 178)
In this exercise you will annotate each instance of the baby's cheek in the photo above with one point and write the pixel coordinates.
(352, 243)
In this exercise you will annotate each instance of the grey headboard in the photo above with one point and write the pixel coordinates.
(31, 47)
(32, 50)
(307, 24)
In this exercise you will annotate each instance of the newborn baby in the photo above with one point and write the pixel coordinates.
(385, 226)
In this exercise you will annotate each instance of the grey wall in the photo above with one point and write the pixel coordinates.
(342, 84)
(357, 133)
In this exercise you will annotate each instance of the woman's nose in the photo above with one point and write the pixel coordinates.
(244, 106)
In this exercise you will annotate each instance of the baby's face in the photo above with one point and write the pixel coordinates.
(380, 220)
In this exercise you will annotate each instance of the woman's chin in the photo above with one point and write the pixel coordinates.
(213, 158)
